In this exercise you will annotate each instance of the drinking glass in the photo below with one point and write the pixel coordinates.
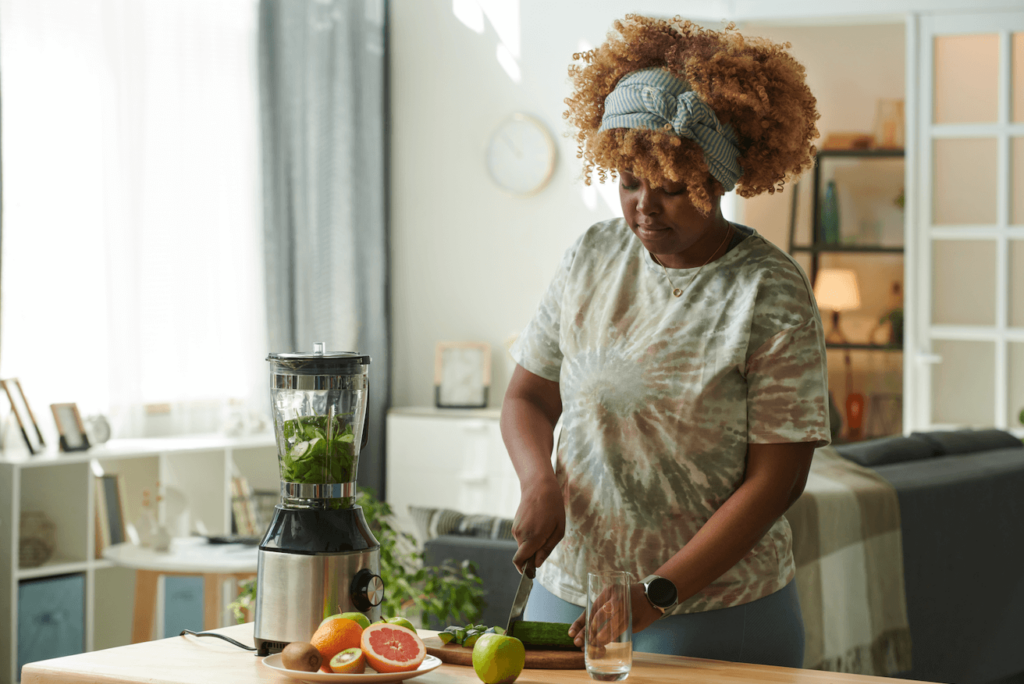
(608, 638)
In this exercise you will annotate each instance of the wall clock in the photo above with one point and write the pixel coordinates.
(521, 155)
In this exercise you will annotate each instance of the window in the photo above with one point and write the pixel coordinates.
(132, 251)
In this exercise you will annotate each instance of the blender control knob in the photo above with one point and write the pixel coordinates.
(367, 590)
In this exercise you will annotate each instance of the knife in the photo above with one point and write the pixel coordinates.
(522, 596)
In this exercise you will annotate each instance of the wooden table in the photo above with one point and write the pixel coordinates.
(183, 660)
(189, 556)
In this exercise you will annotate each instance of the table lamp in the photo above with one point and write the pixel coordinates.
(836, 290)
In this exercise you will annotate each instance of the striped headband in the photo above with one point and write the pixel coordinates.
(653, 99)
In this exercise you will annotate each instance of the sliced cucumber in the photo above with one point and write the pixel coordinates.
(466, 636)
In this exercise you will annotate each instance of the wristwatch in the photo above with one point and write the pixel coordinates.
(660, 592)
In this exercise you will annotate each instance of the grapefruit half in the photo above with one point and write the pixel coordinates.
(390, 648)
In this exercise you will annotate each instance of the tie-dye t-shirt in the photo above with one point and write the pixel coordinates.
(660, 397)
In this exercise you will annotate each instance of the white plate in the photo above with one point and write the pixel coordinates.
(274, 663)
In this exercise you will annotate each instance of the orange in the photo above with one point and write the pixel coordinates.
(333, 636)
(390, 648)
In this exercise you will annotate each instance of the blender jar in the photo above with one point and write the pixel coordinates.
(319, 403)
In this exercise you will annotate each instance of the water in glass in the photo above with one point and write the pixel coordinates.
(613, 665)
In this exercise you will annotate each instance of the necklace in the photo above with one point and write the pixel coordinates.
(678, 292)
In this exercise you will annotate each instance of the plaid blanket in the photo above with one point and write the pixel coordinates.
(849, 574)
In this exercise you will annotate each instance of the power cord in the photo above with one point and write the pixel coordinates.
(219, 636)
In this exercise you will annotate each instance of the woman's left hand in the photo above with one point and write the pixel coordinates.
(644, 614)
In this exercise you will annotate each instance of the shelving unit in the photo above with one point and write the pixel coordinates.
(871, 243)
(61, 485)
(816, 247)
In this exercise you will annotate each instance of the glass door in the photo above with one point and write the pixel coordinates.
(965, 221)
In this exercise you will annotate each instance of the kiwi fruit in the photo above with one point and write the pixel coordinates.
(302, 656)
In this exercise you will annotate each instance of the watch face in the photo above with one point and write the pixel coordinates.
(661, 592)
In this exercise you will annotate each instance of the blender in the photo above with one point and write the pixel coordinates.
(319, 557)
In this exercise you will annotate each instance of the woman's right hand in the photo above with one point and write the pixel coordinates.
(540, 521)
(529, 413)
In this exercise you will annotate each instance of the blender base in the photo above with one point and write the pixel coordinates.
(313, 564)
(265, 647)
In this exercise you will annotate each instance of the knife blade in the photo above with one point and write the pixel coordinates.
(522, 596)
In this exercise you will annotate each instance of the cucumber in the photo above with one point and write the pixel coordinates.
(544, 634)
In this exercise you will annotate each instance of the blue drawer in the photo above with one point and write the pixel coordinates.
(183, 604)
(51, 618)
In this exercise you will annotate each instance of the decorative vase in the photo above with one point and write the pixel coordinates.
(830, 215)
(145, 524)
(37, 538)
(161, 539)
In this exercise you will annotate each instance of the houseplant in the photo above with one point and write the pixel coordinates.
(452, 593)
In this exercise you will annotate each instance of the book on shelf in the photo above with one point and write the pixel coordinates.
(243, 508)
(102, 532)
(110, 521)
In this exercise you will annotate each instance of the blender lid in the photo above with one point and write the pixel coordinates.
(318, 361)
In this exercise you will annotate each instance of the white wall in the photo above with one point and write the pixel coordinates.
(471, 263)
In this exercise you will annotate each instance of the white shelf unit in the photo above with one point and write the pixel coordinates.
(448, 458)
(62, 486)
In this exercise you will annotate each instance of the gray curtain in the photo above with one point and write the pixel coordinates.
(322, 72)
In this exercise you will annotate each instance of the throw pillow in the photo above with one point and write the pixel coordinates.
(951, 442)
(876, 452)
(434, 522)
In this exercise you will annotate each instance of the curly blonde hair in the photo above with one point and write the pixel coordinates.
(752, 84)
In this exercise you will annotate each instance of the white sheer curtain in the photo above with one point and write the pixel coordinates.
(132, 251)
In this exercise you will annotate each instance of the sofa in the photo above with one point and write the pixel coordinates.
(961, 502)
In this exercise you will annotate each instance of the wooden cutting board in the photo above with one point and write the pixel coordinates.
(535, 658)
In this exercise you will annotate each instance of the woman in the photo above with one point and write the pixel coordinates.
(684, 354)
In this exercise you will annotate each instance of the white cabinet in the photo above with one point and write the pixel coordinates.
(448, 458)
(62, 487)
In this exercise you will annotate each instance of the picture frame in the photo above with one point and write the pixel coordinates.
(462, 374)
(23, 414)
(70, 427)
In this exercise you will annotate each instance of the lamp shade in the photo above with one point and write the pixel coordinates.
(836, 289)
